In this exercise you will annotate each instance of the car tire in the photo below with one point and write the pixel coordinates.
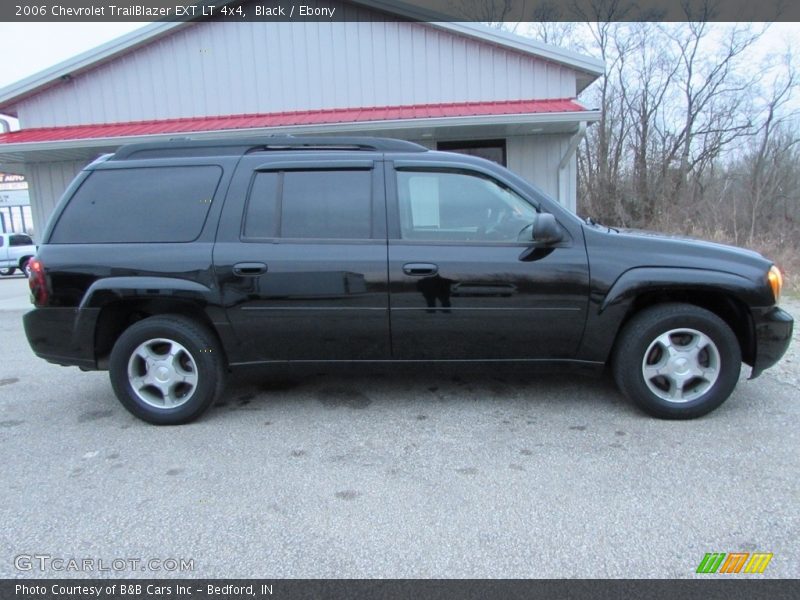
(677, 361)
(167, 370)
(8, 271)
(24, 266)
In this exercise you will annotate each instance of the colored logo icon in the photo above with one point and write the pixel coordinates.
(734, 562)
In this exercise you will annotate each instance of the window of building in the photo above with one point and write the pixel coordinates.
(494, 150)
(155, 204)
(319, 204)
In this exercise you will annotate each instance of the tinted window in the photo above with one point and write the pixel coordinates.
(158, 204)
(262, 207)
(457, 206)
(20, 240)
(311, 204)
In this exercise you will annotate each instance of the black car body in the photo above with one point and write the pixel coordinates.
(329, 250)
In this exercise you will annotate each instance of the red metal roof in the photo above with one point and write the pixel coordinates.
(283, 119)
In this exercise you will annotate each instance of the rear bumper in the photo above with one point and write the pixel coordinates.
(62, 336)
(773, 333)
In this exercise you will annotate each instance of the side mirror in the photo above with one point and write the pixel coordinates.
(546, 230)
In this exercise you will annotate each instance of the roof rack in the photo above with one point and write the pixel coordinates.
(239, 146)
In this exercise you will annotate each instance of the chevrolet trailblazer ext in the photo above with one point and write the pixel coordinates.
(171, 264)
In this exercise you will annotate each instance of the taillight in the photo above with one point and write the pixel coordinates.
(38, 283)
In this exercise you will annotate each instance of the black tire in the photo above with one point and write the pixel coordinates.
(644, 351)
(184, 357)
(8, 271)
(23, 266)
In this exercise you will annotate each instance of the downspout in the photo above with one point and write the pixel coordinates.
(563, 183)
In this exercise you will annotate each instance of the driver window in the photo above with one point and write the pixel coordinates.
(459, 206)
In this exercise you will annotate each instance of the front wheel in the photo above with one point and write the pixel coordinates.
(8, 271)
(677, 361)
(167, 370)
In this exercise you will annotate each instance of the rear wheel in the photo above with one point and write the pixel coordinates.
(8, 271)
(677, 361)
(24, 266)
(167, 370)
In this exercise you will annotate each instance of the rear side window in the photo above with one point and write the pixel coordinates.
(154, 204)
(311, 205)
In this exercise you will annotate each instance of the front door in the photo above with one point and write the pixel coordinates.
(463, 285)
(301, 259)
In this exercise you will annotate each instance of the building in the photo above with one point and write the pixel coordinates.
(456, 86)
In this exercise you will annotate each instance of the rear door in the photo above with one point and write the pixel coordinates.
(301, 258)
(463, 286)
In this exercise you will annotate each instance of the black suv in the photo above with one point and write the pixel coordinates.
(171, 264)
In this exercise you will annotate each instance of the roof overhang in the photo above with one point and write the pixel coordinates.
(13, 156)
(588, 68)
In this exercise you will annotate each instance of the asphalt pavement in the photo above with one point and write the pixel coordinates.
(388, 475)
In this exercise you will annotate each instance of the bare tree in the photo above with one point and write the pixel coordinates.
(549, 26)
(768, 178)
(714, 96)
(494, 13)
(646, 78)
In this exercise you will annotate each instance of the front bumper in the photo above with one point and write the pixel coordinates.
(773, 333)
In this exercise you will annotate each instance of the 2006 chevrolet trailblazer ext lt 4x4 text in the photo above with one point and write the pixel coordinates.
(171, 264)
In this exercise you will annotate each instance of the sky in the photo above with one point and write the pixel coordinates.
(27, 48)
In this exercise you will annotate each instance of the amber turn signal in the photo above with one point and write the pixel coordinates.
(775, 281)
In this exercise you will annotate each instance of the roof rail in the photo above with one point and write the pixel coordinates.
(238, 146)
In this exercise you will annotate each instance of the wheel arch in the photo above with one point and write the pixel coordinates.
(115, 317)
(725, 294)
(112, 305)
(725, 306)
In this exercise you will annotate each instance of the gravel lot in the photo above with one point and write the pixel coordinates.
(388, 475)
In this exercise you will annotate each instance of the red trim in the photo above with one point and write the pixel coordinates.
(307, 117)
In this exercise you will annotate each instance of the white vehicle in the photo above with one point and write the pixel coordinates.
(16, 250)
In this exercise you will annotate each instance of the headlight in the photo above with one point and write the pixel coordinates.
(775, 281)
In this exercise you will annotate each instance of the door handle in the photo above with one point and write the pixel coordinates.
(249, 269)
(420, 269)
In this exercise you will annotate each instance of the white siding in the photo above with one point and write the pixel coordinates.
(47, 183)
(536, 158)
(237, 68)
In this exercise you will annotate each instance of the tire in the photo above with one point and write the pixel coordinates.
(23, 266)
(167, 370)
(677, 361)
(8, 271)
